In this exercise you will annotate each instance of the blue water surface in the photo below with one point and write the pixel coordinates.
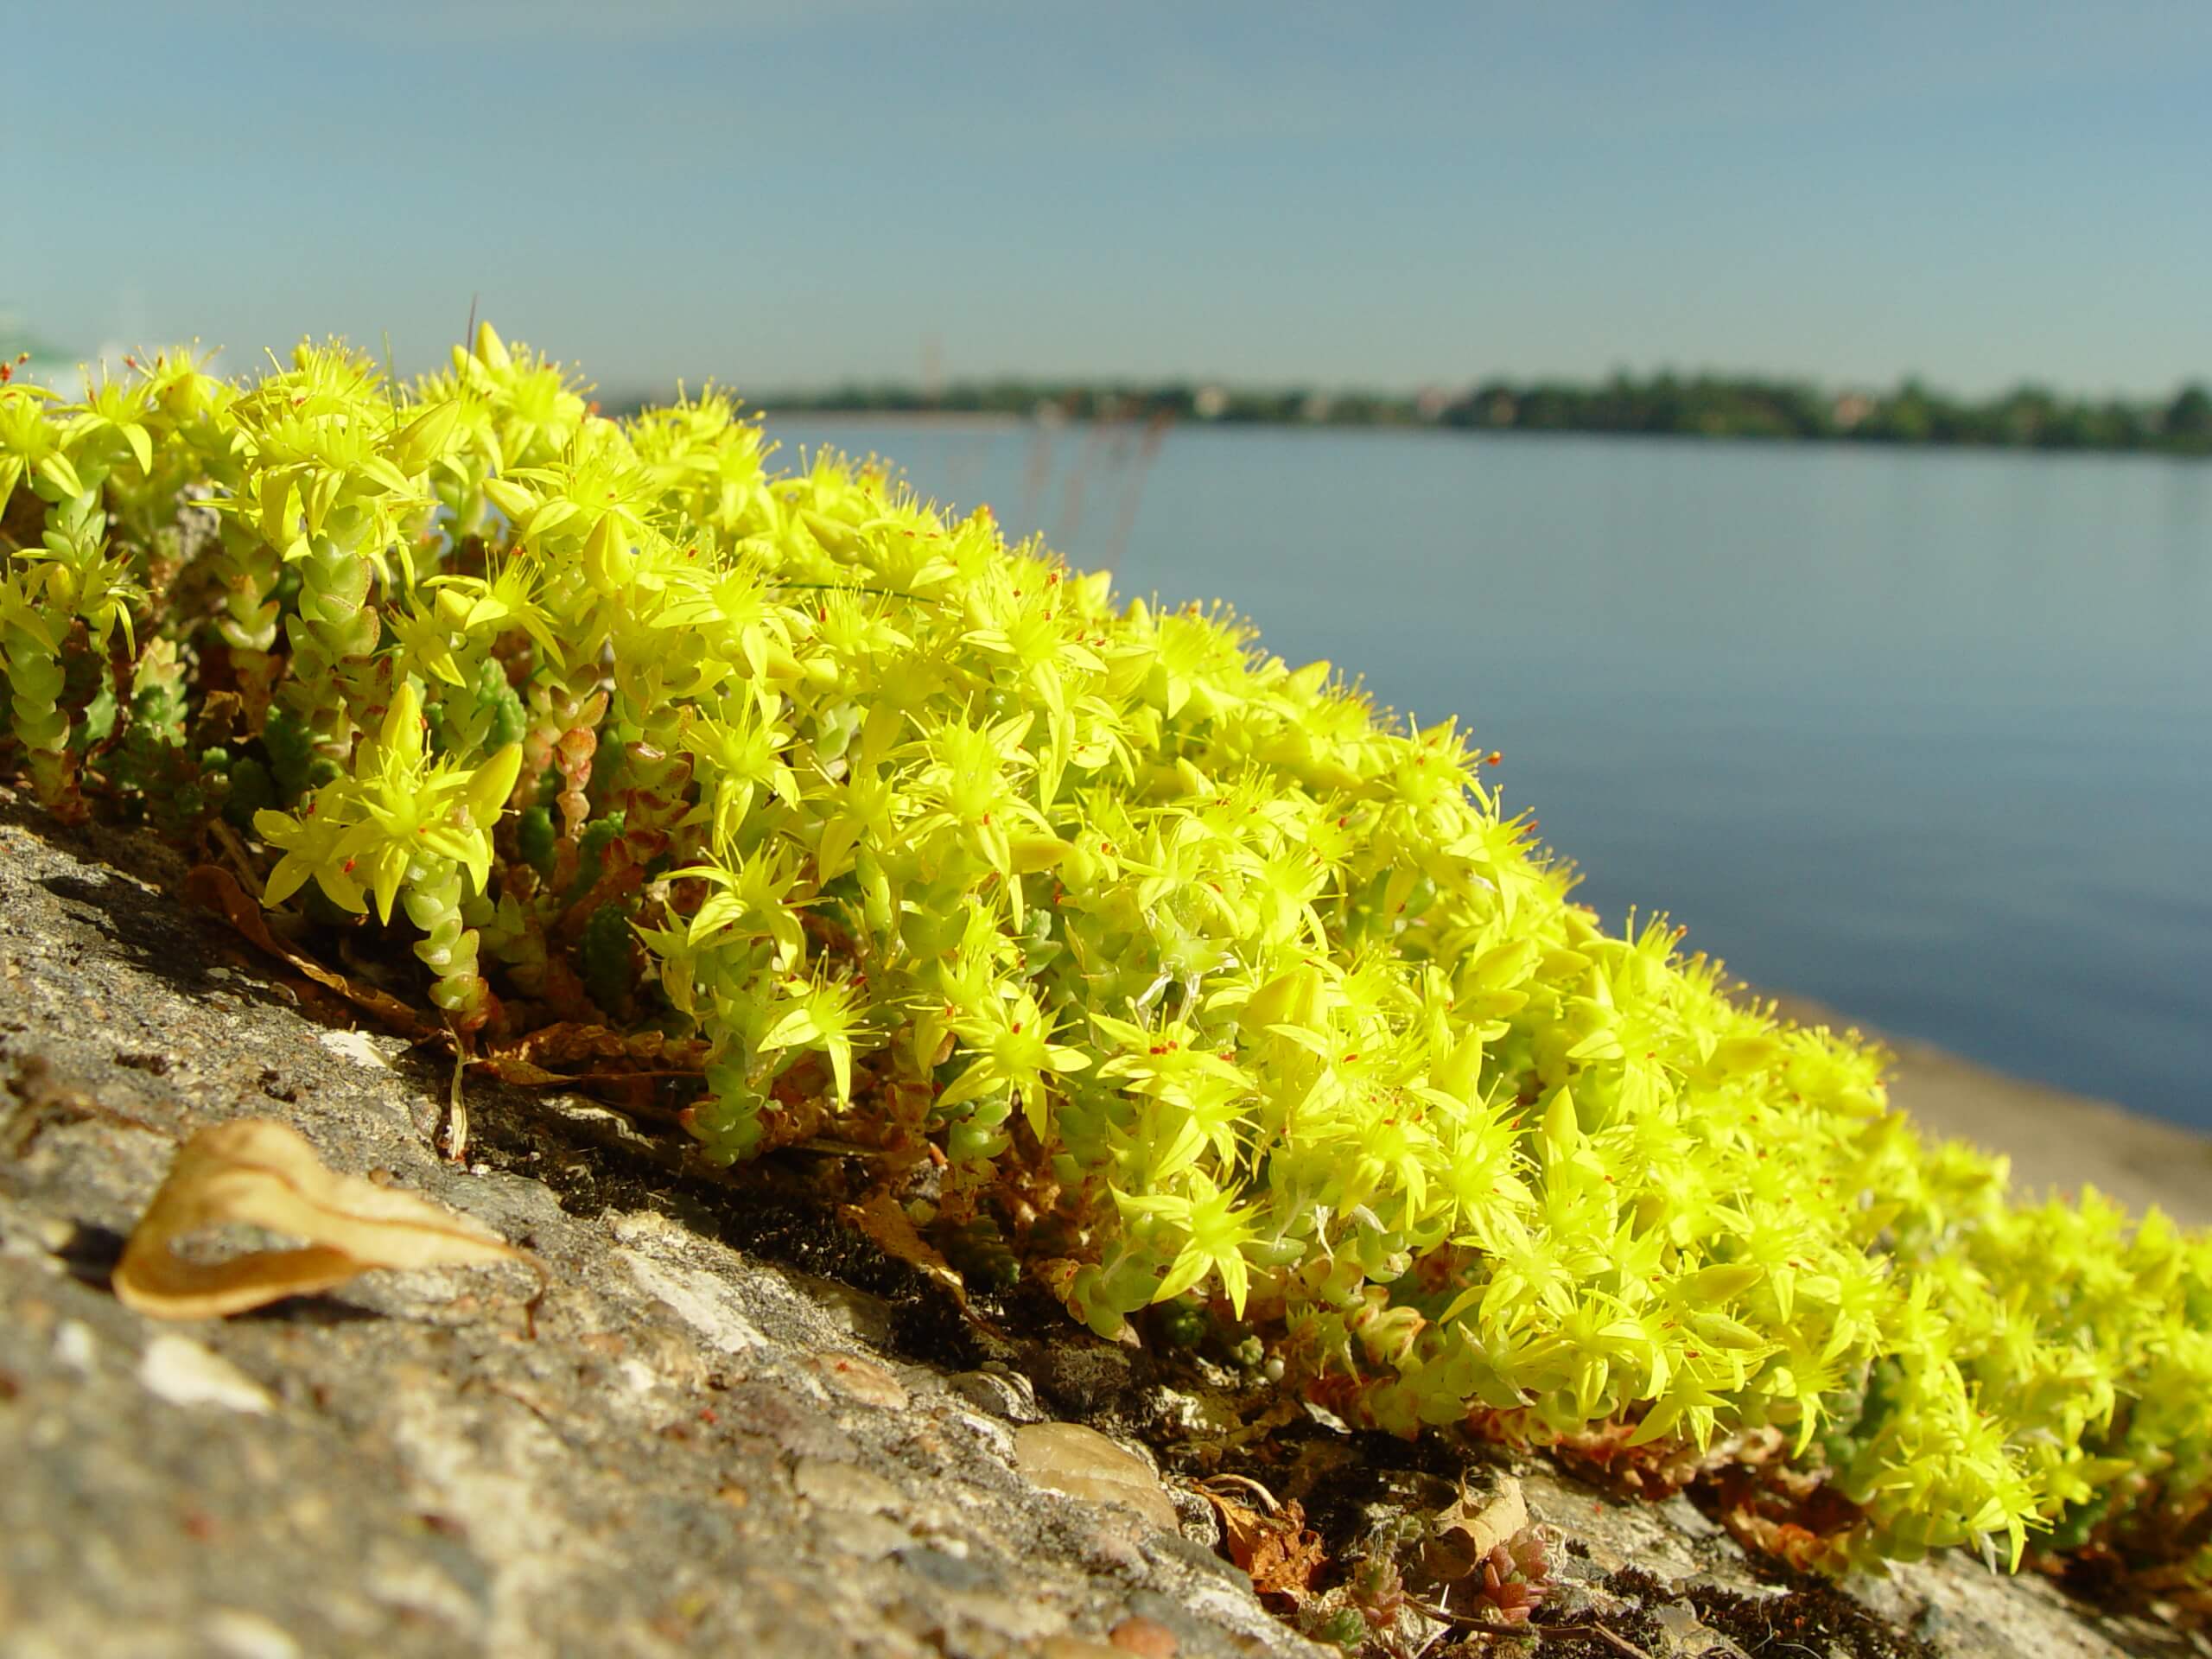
(1926, 734)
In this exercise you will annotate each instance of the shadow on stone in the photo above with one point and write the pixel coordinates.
(150, 932)
(324, 1311)
(91, 1254)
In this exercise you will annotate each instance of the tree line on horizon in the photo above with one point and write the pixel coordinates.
(1663, 404)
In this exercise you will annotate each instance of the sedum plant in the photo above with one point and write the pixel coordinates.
(403, 826)
(1138, 960)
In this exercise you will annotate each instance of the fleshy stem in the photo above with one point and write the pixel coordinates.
(432, 899)
(34, 683)
(564, 737)
(250, 570)
(332, 638)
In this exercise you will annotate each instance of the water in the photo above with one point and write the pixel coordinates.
(1925, 735)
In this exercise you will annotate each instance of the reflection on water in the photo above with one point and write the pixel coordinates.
(1926, 736)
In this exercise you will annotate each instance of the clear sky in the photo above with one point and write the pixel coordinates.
(793, 192)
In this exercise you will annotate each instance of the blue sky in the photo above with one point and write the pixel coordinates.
(782, 191)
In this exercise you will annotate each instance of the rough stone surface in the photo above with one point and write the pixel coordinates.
(778, 1449)
(1069, 1457)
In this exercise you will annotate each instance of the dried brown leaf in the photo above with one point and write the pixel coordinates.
(884, 1222)
(213, 887)
(522, 1073)
(1466, 1531)
(1279, 1552)
(572, 1041)
(569, 1041)
(262, 1173)
(1788, 1541)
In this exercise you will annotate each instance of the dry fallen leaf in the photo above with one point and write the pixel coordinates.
(1466, 1531)
(1278, 1551)
(570, 1041)
(524, 1074)
(610, 1057)
(259, 1173)
(884, 1222)
(1799, 1546)
(213, 887)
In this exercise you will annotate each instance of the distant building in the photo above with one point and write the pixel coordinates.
(1316, 406)
(1850, 409)
(1211, 403)
(1430, 402)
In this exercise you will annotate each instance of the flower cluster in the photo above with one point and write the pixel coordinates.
(1175, 969)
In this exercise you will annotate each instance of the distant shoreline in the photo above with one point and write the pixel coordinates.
(958, 420)
(1910, 415)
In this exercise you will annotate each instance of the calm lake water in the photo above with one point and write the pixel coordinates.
(1926, 736)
